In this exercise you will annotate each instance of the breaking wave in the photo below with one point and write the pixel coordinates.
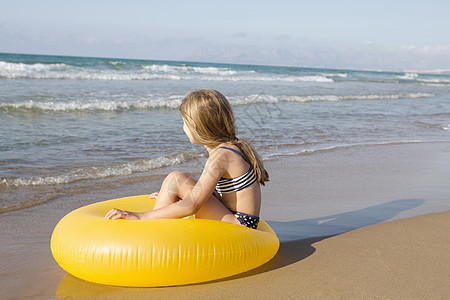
(11, 70)
(174, 101)
(99, 172)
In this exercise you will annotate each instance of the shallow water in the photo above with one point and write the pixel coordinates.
(70, 124)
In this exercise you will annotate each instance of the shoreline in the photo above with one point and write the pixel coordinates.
(349, 194)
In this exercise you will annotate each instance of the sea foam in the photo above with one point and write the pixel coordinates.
(99, 172)
(334, 98)
(41, 71)
(94, 105)
(173, 102)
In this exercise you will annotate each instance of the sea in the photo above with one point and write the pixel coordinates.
(70, 124)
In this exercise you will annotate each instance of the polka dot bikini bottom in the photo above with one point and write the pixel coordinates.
(246, 219)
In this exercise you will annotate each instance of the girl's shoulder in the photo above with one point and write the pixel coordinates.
(228, 147)
(231, 152)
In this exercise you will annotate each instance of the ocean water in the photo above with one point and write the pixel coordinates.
(69, 124)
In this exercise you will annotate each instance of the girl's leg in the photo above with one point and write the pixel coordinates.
(214, 209)
(171, 188)
(178, 184)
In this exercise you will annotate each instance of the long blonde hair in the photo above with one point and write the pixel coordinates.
(209, 117)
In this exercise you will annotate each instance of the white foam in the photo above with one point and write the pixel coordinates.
(311, 98)
(198, 70)
(119, 105)
(341, 75)
(425, 79)
(99, 172)
(334, 98)
(21, 70)
(344, 146)
(270, 78)
(409, 76)
(154, 102)
(149, 72)
(115, 63)
(94, 105)
(252, 99)
(435, 80)
(226, 74)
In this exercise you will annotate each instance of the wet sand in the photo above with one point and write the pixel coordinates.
(333, 212)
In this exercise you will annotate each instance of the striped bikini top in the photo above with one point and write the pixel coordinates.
(229, 185)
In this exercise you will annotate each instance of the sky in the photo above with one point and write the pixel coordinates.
(345, 34)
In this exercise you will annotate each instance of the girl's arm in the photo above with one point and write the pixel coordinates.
(190, 204)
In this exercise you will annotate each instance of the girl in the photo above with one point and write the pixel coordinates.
(229, 186)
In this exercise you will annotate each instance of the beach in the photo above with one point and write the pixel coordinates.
(352, 156)
(368, 221)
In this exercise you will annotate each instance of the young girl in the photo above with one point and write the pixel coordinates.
(229, 186)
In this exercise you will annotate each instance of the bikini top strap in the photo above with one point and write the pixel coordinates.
(237, 152)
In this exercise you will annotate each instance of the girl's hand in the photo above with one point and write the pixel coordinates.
(115, 214)
(154, 195)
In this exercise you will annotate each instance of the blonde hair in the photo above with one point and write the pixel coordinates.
(210, 119)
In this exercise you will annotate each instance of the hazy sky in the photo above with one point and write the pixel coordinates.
(336, 34)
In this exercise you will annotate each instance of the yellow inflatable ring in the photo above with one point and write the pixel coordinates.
(150, 253)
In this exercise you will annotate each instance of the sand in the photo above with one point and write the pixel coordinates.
(355, 223)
